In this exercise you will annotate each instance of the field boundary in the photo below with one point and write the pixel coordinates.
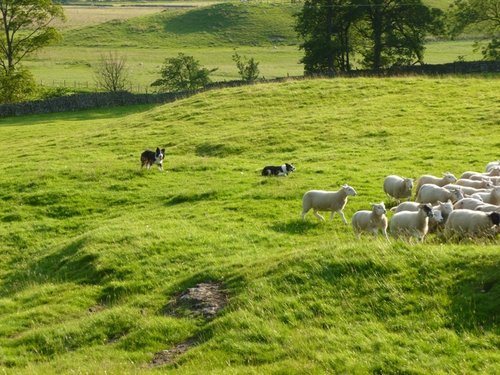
(78, 102)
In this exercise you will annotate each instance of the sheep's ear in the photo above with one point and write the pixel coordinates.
(440, 203)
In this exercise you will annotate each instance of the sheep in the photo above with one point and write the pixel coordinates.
(398, 187)
(370, 221)
(320, 200)
(492, 164)
(477, 184)
(447, 178)
(440, 212)
(465, 189)
(486, 207)
(467, 203)
(471, 223)
(491, 197)
(430, 193)
(412, 223)
(495, 171)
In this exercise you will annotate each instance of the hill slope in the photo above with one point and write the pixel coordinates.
(217, 25)
(95, 251)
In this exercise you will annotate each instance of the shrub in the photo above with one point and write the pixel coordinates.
(17, 86)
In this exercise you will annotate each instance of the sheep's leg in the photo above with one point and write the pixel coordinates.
(341, 215)
(318, 215)
(384, 231)
(304, 213)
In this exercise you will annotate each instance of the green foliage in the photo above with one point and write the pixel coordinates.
(17, 86)
(93, 248)
(25, 29)
(248, 69)
(182, 73)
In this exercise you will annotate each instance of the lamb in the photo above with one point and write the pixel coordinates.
(412, 223)
(465, 189)
(491, 197)
(467, 203)
(447, 178)
(486, 207)
(430, 193)
(320, 200)
(471, 223)
(492, 164)
(440, 212)
(370, 221)
(494, 171)
(477, 184)
(398, 187)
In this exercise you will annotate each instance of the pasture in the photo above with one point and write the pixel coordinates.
(147, 36)
(94, 250)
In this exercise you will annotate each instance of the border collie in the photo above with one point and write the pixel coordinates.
(148, 158)
(283, 170)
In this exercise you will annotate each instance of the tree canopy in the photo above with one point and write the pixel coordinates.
(25, 28)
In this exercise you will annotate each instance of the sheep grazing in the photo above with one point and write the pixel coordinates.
(469, 223)
(447, 178)
(320, 200)
(467, 204)
(494, 171)
(408, 223)
(477, 184)
(398, 187)
(370, 221)
(491, 197)
(440, 212)
(465, 189)
(486, 207)
(491, 165)
(430, 193)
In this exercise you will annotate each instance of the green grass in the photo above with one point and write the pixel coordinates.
(93, 248)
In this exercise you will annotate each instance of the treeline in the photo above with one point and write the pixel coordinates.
(79, 102)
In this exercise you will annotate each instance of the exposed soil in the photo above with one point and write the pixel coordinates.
(169, 356)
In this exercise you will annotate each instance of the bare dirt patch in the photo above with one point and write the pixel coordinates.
(205, 300)
(169, 356)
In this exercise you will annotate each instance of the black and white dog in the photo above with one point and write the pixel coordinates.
(283, 170)
(148, 158)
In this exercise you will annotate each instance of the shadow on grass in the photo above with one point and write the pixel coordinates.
(183, 198)
(296, 226)
(475, 298)
(70, 264)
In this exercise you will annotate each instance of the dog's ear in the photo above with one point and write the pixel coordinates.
(157, 150)
(163, 151)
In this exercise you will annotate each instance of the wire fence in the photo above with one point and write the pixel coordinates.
(91, 86)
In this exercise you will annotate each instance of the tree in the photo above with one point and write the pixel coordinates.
(248, 69)
(25, 29)
(325, 26)
(394, 31)
(111, 72)
(383, 32)
(16, 86)
(485, 14)
(182, 73)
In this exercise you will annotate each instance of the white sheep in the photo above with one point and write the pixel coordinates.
(477, 184)
(465, 189)
(430, 193)
(408, 223)
(492, 164)
(398, 187)
(370, 221)
(320, 200)
(491, 197)
(494, 171)
(465, 223)
(440, 212)
(486, 207)
(467, 204)
(447, 178)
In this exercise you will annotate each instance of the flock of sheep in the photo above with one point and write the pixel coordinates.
(467, 207)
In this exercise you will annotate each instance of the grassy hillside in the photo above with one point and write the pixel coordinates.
(221, 24)
(94, 250)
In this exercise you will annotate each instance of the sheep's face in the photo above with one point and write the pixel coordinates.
(488, 184)
(408, 183)
(449, 178)
(496, 192)
(495, 218)
(437, 216)
(445, 208)
(379, 209)
(349, 190)
(495, 171)
(456, 194)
